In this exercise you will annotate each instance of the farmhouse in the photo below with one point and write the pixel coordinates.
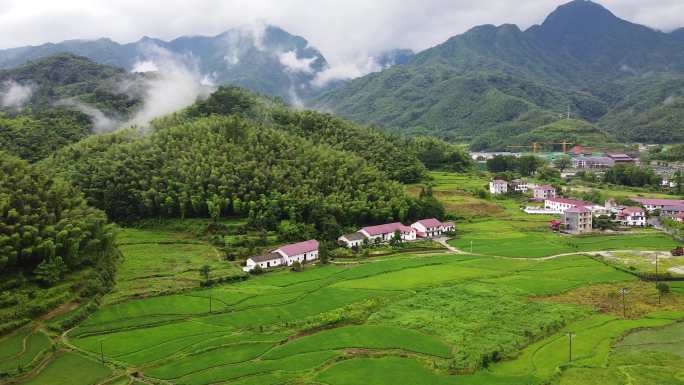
(621, 158)
(679, 217)
(352, 240)
(498, 186)
(578, 220)
(592, 162)
(561, 205)
(430, 228)
(671, 211)
(519, 185)
(384, 233)
(543, 192)
(579, 150)
(301, 252)
(632, 216)
(657, 204)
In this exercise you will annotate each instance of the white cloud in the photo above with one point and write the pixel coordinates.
(15, 95)
(145, 66)
(176, 84)
(294, 64)
(346, 71)
(346, 32)
(101, 122)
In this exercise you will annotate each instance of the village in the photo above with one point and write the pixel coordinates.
(308, 251)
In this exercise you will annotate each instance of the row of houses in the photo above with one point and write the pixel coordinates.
(539, 192)
(577, 216)
(304, 252)
(425, 228)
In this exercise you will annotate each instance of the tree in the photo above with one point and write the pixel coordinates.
(528, 165)
(396, 239)
(257, 270)
(297, 266)
(50, 271)
(205, 271)
(663, 288)
(563, 162)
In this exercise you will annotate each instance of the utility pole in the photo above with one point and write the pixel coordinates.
(471, 247)
(570, 337)
(624, 291)
(101, 353)
(568, 112)
(659, 294)
(209, 304)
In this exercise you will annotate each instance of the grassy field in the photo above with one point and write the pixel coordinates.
(645, 262)
(162, 261)
(406, 319)
(533, 239)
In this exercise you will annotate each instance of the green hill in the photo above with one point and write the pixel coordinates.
(493, 80)
(59, 100)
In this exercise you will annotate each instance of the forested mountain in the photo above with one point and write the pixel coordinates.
(264, 59)
(59, 100)
(612, 73)
(221, 166)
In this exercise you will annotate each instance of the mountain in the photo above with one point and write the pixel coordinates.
(500, 79)
(264, 59)
(51, 102)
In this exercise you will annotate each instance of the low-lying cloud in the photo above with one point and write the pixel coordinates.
(15, 95)
(173, 82)
(101, 122)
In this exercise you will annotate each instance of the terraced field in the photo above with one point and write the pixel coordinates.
(433, 316)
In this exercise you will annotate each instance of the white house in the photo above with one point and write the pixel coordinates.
(301, 252)
(657, 204)
(448, 227)
(352, 240)
(520, 185)
(561, 205)
(431, 228)
(498, 186)
(384, 233)
(543, 192)
(632, 216)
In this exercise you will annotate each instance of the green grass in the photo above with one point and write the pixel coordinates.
(533, 239)
(36, 344)
(162, 261)
(71, 369)
(441, 313)
(364, 337)
(669, 339)
(383, 371)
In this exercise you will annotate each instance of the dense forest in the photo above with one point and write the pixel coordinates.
(59, 100)
(402, 158)
(228, 166)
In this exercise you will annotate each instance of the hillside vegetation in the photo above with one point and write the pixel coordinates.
(229, 166)
(623, 77)
(47, 234)
(62, 97)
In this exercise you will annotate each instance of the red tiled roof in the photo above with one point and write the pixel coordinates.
(431, 222)
(632, 210)
(578, 210)
(299, 248)
(449, 224)
(574, 202)
(679, 215)
(387, 228)
(659, 202)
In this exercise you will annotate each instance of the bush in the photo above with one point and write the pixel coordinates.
(297, 267)
(257, 270)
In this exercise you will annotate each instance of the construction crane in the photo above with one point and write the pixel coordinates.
(564, 143)
(536, 147)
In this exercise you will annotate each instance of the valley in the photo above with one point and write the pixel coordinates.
(504, 206)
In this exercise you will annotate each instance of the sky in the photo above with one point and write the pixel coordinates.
(345, 31)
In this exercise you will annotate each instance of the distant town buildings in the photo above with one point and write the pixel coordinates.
(592, 162)
(622, 158)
